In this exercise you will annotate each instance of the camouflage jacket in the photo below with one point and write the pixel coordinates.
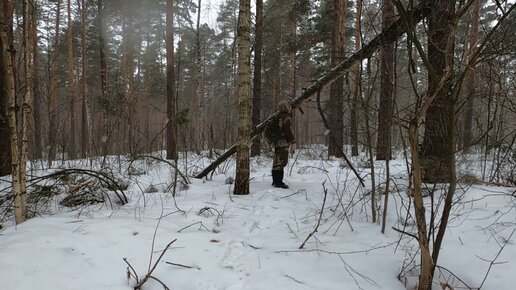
(286, 137)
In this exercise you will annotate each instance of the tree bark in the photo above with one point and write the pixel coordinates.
(257, 76)
(21, 213)
(36, 108)
(436, 148)
(103, 80)
(128, 72)
(85, 137)
(357, 86)
(72, 151)
(470, 81)
(5, 145)
(336, 101)
(425, 276)
(244, 99)
(54, 90)
(8, 86)
(391, 34)
(383, 144)
(171, 98)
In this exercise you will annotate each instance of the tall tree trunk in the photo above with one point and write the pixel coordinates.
(357, 72)
(36, 108)
(84, 88)
(28, 5)
(128, 71)
(257, 76)
(171, 99)
(436, 148)
(18, 144)
(138, 95)
(470, 81)
(8, 89)
(147, 94)
(5, 145)
(244, 99)
(293, 61)
(105, 139)
(199, 94)
(54, 113)
(72, 151)
(383, 144)
(336, 101)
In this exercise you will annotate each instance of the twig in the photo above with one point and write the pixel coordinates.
(493, 262)
(132, 272)
(160, 282)
(183, 266)
(337, 253)
(149, 275)
(334, 141)
(406, 233)
(183, 176)
(288, 276)
(193, 225)
(154, 235)
(455, 276)
(139, 283)
(351, 270)
(299, 191)
(320, 217)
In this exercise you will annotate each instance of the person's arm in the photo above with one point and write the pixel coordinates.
(288, 132)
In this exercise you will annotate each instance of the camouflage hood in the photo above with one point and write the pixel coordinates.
(285, 107)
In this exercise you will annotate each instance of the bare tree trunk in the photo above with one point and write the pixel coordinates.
(336, 101)
(9, 93)
(293, 63)
(426, 264)
(171, 99)
(8, 84)
(36, 109)
(199, 94)
(84, 88)
(357, 86)
(105, 139)
(383, 144)
(436, 149)
(72, 152)
(19, 144)
(470, 81)
(244, 100)
(54, 113)
(147, 95)
(26, 107)
(257, 76)
(5, 137)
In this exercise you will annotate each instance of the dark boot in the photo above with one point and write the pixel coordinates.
(277, 179)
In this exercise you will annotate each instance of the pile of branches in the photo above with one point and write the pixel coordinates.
(70, 188)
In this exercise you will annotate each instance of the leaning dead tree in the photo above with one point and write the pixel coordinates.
(389, 35)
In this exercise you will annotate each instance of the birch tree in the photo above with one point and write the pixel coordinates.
(244, 99)
(18, 127)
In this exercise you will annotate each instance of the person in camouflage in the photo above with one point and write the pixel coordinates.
(285, 140)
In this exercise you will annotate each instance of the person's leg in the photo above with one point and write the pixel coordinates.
(280, 161)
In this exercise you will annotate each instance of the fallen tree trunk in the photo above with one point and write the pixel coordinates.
(391, 34)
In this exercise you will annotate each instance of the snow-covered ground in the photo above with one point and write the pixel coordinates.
(222, 241)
